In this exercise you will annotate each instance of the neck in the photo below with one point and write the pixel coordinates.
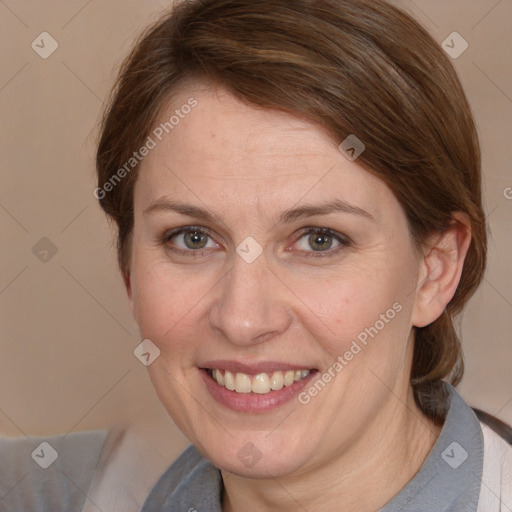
(365, 477)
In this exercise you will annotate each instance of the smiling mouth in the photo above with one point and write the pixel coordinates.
(261, 383)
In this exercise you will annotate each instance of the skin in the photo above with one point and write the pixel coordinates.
(363, 431)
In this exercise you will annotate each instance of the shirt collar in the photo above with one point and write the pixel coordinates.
(450, 477)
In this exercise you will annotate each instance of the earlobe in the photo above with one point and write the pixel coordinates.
(441, 269)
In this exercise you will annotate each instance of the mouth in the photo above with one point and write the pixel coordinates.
(262, 383)
(257, 388)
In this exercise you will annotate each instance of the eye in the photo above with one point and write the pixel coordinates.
(196, 241)
(189, 240)
(321, 241)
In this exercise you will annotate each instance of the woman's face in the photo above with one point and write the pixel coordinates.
(254, 290)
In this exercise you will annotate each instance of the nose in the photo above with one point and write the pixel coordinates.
(250, 307)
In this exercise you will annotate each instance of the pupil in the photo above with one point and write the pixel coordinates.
(316, 240)
(195, 238)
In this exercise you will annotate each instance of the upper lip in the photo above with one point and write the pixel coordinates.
(253, 368)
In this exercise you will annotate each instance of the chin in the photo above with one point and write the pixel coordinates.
(257, 454)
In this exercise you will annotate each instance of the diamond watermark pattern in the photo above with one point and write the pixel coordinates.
(454, 455)
(249, 249)
(352, 147)
(45, 455)
(44, 45)
(249, 454)
(455, 45)
(44, 250)
(146, 352)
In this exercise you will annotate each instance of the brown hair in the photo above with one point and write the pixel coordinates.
(360, 67)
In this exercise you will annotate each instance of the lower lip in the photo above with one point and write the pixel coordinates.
(253, 402)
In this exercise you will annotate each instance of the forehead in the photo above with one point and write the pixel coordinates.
(222, 151)
(225, 128)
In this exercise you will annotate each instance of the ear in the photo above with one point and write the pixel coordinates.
(440, 270)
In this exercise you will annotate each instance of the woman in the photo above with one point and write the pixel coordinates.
(296, 187)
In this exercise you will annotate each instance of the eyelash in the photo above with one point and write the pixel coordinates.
(343, 239)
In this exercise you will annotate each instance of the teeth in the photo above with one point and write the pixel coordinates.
(229, 381)
(261, 383)
(289, 378)
(242, 383)
(276, 381)
(219, 377)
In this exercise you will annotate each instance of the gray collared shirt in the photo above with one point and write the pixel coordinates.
(448, 481)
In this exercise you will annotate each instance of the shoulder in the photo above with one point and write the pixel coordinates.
(189, 460)
(496, 488)
(192, 481)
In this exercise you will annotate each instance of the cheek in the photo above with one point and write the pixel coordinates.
(164, 304)
(362, 315)
(352, 298)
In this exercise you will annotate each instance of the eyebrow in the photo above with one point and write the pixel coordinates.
(307, 210)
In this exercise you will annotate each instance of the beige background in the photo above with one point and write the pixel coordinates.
(67, 360)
